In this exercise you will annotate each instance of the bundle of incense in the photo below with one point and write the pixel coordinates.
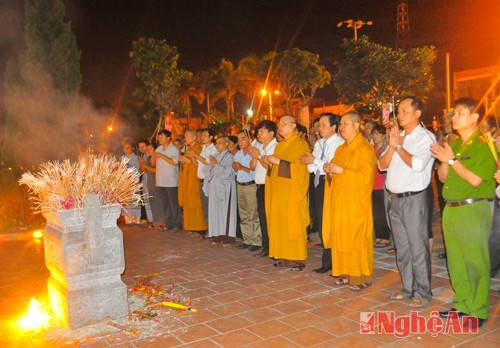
(492, 146)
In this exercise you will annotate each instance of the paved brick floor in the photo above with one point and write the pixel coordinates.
(242, 301)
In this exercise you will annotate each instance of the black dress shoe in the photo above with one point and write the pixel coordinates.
(322, 270)
(447, 314)
(242, 246)
(263, 253)
(254, 248)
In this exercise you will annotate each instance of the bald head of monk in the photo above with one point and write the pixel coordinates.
(350, 126)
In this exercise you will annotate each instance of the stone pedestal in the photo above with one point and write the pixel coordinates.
(84, 254)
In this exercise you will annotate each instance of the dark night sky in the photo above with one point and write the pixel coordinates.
(206, 31)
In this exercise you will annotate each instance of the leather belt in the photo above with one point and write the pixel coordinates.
(405, 194)
(246, 183)
(467, 201)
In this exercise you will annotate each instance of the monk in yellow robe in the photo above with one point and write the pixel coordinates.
(347, 217)
(189, 186)
(286, 187)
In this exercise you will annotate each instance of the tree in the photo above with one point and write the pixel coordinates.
(189, 87)
(250, 72)
(42, 87)
(52, 44)
(371, 74)
(297, 73)
(221, 83)
(229, 78)
(155, 64)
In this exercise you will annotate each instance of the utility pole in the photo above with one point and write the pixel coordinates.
(403, 26)
(355, 25)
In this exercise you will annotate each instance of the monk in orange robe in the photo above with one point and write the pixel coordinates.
(189, 186)
(347, 217)
(286, 187)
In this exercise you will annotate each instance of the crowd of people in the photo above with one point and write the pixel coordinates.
(361, 186)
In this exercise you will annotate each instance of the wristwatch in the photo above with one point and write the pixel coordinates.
(399, 147)
(451, 161)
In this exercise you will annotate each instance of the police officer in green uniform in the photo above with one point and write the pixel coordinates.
(467, 171)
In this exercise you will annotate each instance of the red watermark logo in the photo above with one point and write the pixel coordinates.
(403, 326)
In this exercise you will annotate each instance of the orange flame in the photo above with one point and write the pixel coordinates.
(37, 234)
(36, 319)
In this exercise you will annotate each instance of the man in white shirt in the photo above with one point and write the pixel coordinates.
(266, 135)
(166, 157)
(323, 152)
(408, 162)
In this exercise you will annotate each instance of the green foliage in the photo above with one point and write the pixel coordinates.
(42, 87)
(52, 44)
(218, 123)
(371, 74)
(297, 73)
(155, 64)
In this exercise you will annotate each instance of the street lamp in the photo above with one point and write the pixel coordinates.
(276, 93)
(355, 25)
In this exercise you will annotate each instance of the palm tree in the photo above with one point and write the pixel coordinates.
(189, 87)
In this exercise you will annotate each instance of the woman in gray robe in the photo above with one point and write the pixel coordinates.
(221, 188)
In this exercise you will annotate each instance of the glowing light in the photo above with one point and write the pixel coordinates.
(36, 319)
(110, 129)
(263, 92)
(37, 234)
(250, 112)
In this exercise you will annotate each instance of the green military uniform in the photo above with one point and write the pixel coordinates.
(467, 227)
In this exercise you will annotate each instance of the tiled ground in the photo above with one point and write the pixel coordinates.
(242, 301)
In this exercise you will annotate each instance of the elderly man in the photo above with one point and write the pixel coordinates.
(189, 187)
(324, 150)
(286, 198)
(246, 191)
(408, 162)
(221, 187)
(348, 220)
(467, 171)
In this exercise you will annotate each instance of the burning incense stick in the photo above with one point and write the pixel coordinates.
(491, 145)
(429, 134)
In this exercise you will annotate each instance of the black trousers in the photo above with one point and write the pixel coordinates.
(319, 195)
(261, 210)
(382, 230)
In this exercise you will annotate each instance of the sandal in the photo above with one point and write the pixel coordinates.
(359, 287)
(278, 264)
(297, 268)
(341, 281)
(418, 302)
(397, 296)
(391, 251)
(382, 244)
